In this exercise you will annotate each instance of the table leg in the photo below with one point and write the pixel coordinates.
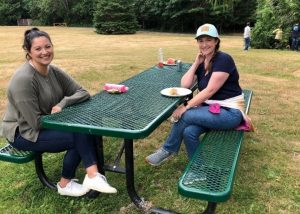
(129, 165)
(130, 182)
(100, 155)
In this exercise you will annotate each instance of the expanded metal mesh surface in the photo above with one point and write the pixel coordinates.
(210, 174)
(211, 169)
(137, 109)
(11, 154)
(8, 149)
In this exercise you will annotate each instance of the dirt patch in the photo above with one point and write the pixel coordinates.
(296, 73)
(295, 157)
(296, 149)
(128, 209)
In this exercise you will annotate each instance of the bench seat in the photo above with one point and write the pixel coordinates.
(210, 173)
(13, 155)
(10, 154)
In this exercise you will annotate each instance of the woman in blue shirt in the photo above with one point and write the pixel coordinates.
(218, 105)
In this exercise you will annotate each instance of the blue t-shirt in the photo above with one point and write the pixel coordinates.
(221, 62)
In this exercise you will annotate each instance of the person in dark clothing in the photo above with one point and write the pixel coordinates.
(295, 37)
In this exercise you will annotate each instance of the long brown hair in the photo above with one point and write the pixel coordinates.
(208, 68)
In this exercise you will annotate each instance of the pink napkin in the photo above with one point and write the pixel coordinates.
(115, 87)
(246, 125)
(215, 108)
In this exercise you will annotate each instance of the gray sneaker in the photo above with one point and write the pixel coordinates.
(158, 157)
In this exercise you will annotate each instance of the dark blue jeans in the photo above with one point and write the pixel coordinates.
(77, 146)
(295, 41)
(247, 43)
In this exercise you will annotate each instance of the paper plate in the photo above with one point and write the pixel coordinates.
(175, 92)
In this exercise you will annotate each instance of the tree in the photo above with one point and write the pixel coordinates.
(82, 12)
(115, 17)
(188, 15)
(272, 14)
(10, 12)
(46, 12)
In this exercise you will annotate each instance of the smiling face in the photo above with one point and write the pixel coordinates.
(208, 45)
(41, 51)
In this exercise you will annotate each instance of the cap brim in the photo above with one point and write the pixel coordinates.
(205, 35)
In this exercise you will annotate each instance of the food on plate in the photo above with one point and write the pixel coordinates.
(113, 91)
(171, 61)
(173, 91)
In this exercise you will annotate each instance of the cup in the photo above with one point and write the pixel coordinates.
(179, 65)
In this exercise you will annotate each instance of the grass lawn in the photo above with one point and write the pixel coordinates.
(268, 175)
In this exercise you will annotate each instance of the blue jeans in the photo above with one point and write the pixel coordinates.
(247, 43)
(78, 146)
(196, 121)
(295, 41)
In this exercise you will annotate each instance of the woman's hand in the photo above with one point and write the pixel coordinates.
(55, 109)
(178, 112)
(199, 58)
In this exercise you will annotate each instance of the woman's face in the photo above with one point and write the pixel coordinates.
(41, 51)
(207, 45)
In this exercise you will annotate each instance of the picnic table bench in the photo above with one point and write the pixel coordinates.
(210, 173)
(60, 24)
(10, 154)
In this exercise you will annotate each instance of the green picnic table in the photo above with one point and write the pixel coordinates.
(131, 115)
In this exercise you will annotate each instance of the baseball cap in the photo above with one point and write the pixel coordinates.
(207, 29)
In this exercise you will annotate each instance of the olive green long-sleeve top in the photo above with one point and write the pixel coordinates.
(32, 95)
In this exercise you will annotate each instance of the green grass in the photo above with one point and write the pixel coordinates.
(268, 175)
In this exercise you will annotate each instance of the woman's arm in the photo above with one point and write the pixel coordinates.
(73, 92)
(215, 83)
(189, 77)
(23, 95)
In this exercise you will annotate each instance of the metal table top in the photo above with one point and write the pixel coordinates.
(131, 115)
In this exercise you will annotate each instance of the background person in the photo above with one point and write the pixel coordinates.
(39, 88)
(218, 105)
(295, 37)
(278, 36)
(247, 35)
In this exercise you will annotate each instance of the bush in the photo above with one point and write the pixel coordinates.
(262, 36)
(115, 17)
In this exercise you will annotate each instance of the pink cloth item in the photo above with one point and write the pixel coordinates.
(115, 87)
(215, 108)
(246, 125)
(237, 102)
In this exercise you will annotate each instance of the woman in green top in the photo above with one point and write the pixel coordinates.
(39, 88)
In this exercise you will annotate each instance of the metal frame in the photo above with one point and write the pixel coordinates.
(38, 161)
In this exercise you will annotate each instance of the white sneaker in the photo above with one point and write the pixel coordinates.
(72, 189)
(98, 183)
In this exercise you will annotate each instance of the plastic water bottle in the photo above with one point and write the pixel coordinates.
(160, 58)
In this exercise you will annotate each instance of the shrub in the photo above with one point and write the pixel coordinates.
(115, 17)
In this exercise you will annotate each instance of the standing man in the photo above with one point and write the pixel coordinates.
(247, 36)
(295, 37)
